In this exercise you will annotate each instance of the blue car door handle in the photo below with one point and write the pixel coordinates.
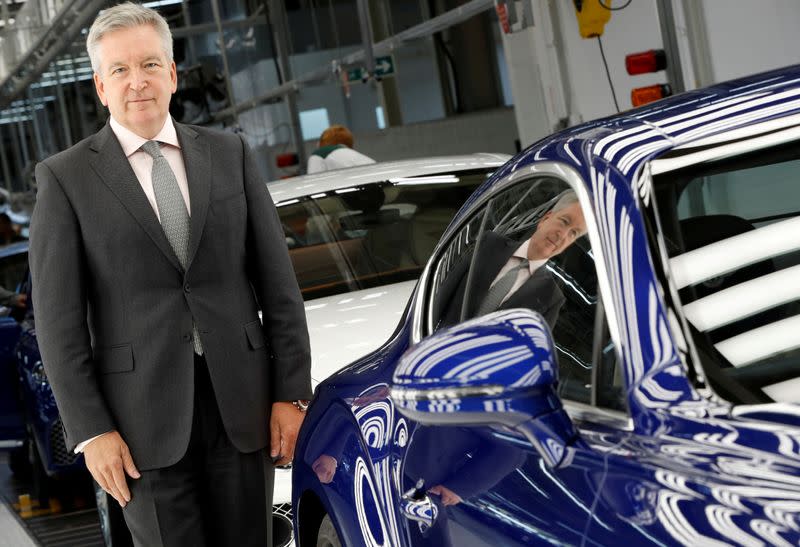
(417, 505)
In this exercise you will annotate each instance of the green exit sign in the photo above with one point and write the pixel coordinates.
(384, 66)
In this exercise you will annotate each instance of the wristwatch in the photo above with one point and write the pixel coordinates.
(301, 404)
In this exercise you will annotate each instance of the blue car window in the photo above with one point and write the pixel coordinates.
(730, 228)
(541, 221)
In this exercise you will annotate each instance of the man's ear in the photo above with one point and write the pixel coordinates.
(173, 76)
(100, 88)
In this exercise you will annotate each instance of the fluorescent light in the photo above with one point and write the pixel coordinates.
(760, 343)
(346, 190)
(159, 3)
(745, 299)
(735, 252)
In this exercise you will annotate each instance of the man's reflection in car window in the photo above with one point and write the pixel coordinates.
(507, 272)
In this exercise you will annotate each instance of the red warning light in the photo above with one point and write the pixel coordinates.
(646, 62)
(287, 160)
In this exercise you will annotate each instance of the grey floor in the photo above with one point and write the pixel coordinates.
(12, 532)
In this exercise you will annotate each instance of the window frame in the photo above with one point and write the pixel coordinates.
(422, 318)
(693, 156)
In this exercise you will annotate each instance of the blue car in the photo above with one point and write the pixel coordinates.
(30, 425)
(603, 349)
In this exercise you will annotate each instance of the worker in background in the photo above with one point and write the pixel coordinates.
(336, 151)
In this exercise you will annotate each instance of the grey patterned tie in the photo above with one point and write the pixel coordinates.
(494, 297)
(173, 212)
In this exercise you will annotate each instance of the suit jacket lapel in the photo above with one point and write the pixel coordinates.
(197, 159)
(115, 171)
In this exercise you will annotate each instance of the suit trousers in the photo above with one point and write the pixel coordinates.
(213, 496)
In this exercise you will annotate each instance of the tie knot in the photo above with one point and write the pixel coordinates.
(152, 148)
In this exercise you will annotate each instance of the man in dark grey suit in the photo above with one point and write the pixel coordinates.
(511, 274)
(153, 247)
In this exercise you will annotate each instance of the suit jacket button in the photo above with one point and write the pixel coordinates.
(187, 288)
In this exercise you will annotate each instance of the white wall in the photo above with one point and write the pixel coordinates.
(747, 37)
(540, 79)
(740, 37)
(485, 131)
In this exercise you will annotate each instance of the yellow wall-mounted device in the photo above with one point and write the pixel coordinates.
(592, 17)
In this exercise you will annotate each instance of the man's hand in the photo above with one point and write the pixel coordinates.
(448, 496)
(284, 424)
(108, 459)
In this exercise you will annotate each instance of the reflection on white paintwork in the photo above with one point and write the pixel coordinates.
(732, 149)
(761, 342)
(745, 299)
(320, 183)
(282, 492)
(437, 179)
(341, 332)
(735, 252)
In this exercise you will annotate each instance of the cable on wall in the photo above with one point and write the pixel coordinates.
(608, 74)
(609, 8)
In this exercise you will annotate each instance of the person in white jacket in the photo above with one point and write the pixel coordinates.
(335, 151)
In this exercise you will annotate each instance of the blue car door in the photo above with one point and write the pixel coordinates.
(491, 486)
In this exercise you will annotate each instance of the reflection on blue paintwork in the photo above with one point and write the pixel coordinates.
(471, 418)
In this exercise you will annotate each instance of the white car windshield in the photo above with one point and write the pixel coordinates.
(373, 234)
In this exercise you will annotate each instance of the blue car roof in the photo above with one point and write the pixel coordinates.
(629, 139)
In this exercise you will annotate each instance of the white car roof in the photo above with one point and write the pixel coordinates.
(297, 187)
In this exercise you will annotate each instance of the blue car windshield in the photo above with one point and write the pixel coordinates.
(731, 229)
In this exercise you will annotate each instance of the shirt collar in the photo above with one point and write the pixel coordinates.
(131, 142)
(522, 253)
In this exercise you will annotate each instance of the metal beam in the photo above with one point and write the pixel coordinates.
(4, 159)
(280, 30)
(224, 53)
(700, 50)
(206, 28)
(666, 19)
(62, 31)
(384, 47)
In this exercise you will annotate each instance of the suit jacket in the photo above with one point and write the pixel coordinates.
(539, 293)
(114, 308)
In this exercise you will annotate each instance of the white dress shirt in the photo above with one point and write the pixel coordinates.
(142, 165)
(523, 275)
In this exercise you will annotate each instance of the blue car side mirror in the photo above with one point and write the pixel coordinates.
(499, 369)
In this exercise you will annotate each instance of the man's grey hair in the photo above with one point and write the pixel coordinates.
(125, 16)
(564, 200)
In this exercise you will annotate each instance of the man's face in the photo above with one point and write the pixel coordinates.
(136, 80)
(556, 231)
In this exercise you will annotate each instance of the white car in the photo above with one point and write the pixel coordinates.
(358, 239)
